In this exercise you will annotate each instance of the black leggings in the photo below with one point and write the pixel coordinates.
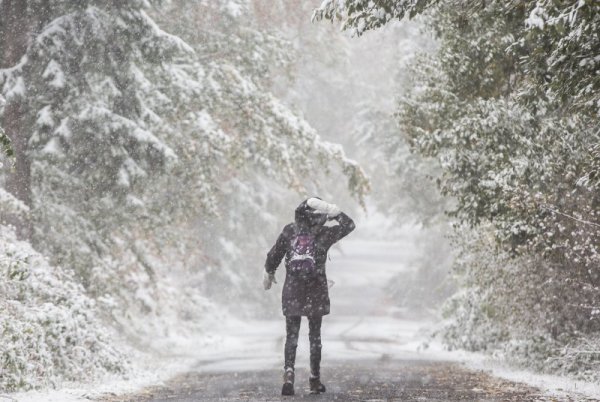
(292, 326)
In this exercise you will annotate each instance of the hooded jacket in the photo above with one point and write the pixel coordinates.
(301, 296)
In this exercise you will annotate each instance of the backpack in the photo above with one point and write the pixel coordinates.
(302, 257)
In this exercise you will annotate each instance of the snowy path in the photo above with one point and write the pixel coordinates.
(368, 352)
(361, 324)
(364, 380)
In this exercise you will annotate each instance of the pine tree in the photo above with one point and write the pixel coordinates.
(128, 140)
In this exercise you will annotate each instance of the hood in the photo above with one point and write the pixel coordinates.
(302, 213)
(305, 215)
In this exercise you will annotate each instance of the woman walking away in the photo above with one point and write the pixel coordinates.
(305, 244)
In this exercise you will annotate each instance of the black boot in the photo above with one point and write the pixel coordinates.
(315, 385)
(288, 382)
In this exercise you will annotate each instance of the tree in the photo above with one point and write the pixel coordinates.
(509, 107)
(134, 146)
(363, 15)
(130, 142)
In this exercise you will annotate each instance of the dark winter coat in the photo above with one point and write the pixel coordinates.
(302, 296)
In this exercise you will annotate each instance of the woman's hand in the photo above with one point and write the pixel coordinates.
(321, 206)
(268, 280)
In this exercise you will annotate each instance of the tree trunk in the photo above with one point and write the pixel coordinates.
(15, 28)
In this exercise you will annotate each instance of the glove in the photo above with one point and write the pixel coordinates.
(268, 279)
(331, 210)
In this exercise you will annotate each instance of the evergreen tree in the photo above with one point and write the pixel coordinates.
(111, 100)
(139, 154)
(509, 107)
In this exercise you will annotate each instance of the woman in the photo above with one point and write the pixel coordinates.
(304, 244)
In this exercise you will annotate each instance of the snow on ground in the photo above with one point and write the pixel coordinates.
(560, 387)
(149, 369)
(363, 324)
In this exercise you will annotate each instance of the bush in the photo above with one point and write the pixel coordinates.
(49, 331)
(523, 308)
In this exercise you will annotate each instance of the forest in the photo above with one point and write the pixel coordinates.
(152, 149)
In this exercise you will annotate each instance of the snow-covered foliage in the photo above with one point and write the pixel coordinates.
(145, 136)
(515, 158)
(527, 309)
(11, 206)
(5, 142)
(91, 134)
(363, 15)
(236, 56)
(509, 108)
(50, 329)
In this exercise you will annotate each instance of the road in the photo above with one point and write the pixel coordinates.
(365, 380)
(369, 352)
